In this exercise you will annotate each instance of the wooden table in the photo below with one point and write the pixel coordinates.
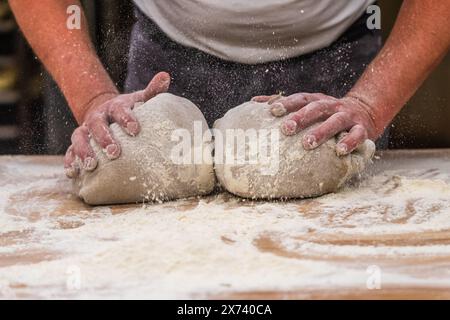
(401, 250)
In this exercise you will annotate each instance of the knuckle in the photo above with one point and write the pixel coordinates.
(315, 106)
(316, 109)
(341, 118)
(321, 96)
(94, 120)
(119, 110)
(364, 134)
(78, 133)
(261, 98)
(80, 150)
(100, 132)
(296, 117)
(100, 127)
(279, 99)
(124, 116)
(361, 128)
(104, 140)
(350, 140)
(115, 106)
(74, 135)
(139, 96)
(296, 96)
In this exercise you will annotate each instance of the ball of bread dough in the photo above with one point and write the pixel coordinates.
(146, 169)
(253, 159)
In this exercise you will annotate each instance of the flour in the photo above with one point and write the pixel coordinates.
(217, 244)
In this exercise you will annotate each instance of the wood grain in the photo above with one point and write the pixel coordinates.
(56, 204)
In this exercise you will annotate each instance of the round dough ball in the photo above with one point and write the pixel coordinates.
(146, 170)
(270, 165)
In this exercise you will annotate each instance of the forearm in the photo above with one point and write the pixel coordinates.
(67, 54)
(418, 42)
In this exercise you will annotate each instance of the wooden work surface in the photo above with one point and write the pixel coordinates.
(325, 253)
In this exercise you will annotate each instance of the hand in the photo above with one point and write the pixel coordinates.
(101, 113)
(348, 114)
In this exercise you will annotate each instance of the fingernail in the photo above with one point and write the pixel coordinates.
(341, 149)
(309, 142)
(132, 128)
(90, 164)
(278, 110)
(289, 127)
(112, 151)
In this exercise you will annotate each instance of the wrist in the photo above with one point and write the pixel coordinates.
(376, 125)
(94, 102)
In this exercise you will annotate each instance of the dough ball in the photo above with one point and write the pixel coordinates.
(270, 165)
(149, 168)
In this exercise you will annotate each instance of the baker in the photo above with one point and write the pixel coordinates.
(329, 65)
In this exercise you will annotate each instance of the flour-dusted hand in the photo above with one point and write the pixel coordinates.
(103, 111)
(348, 114)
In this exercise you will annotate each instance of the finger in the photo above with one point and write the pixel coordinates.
(82, 149)
(357, 135)
(69, 164)
(338, 122)
(159, 84)
(264, 99)
(307, 116)
(101, 133)
(294, 103)
(126, 119)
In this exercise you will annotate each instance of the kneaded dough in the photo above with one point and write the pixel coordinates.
(291, 172)
(145, 171)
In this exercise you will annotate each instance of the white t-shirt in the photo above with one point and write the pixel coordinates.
(254, 31)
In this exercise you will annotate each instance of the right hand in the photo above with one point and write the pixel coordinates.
(103, 111)
(348, 115)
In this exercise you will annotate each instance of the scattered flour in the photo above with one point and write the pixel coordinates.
(52, 246)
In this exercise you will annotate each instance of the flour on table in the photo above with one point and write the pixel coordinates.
(218, 245)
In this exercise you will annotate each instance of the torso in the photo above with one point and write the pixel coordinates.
(254, 31)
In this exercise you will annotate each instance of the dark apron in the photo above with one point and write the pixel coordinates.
(216, 85)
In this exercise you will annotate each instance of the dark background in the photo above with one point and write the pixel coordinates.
(34, 117)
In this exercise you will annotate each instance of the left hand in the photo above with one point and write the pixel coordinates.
(348, 114)
(96, 125)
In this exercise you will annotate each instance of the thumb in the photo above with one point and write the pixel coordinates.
(159, 84)
(361, 157)
(367, 150)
